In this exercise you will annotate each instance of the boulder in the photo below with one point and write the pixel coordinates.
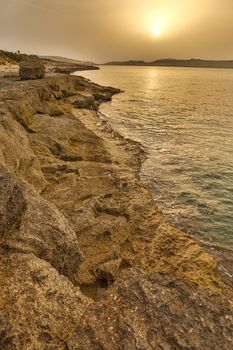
(31, 70)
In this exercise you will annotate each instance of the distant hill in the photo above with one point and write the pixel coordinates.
(67, 60)
(126, 63)
(170, 62)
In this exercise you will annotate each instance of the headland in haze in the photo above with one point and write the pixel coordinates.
(67, 60)
(54, 64)
(170, 62)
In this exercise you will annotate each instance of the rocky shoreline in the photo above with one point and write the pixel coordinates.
(87, 259)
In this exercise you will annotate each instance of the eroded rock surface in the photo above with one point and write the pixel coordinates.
(12, 204)
(31, 70)
(87, 260)
(154, 311)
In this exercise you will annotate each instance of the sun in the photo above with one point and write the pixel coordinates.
(157, 30)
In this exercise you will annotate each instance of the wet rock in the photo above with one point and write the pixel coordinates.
(31, 70)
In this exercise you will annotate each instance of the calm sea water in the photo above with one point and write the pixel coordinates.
(183, 117)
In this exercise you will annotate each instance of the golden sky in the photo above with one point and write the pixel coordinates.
(104, 30)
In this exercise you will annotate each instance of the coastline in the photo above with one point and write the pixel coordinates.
(82, 218)
(134, 147)
(218, 246)
(220, 252)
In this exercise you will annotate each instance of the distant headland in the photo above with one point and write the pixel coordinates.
(53, 64)
(170, 62)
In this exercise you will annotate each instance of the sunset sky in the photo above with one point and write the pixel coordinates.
(104, 30)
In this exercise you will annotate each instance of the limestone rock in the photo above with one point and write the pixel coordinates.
(50, 108)
(75, 217)
(108, 271)
(45, 232)
(12, 204)
(103, 96)
(69, 68)
(40, 308)
(141, 312)
(16, 155)
(31, 70)
(84, 101)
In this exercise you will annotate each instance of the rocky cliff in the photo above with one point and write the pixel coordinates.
(5, 60)
(87, 260)
(61, 65)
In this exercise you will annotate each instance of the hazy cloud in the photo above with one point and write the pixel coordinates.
(104, 30)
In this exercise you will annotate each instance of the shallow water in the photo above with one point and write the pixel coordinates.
(184, 119)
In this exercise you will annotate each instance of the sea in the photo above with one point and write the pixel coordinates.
(183, 118)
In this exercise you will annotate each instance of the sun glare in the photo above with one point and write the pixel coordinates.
(157, 30)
